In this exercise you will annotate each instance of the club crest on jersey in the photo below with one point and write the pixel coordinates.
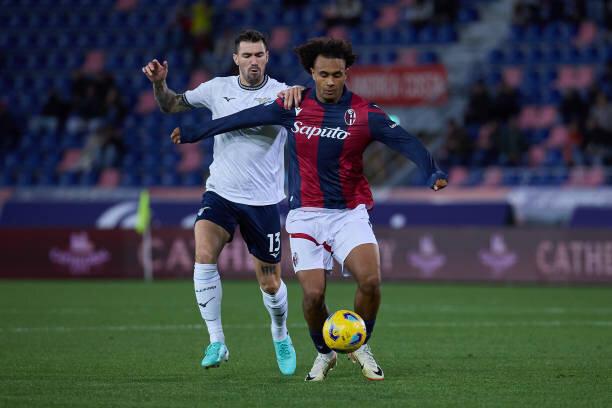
(261, 101)
(350, 117)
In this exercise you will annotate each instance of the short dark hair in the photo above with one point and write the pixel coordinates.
(249, 36)
(327, 47)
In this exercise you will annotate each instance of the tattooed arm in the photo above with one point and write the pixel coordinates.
(168, 100)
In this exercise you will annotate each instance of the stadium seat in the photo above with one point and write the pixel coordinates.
(587, 33)
(109, 178)
(492, 177)
(558, 137)
(70, 159)
(513, 76)
(389, 16)
(458, 176)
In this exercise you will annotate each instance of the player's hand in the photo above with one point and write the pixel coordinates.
(292, 96)
(440, 184)
(155, 71)
(176, 136)
(438, 180)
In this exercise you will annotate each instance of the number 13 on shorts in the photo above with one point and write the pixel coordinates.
(274, 242)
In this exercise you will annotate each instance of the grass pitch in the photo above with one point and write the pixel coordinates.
(131, 344)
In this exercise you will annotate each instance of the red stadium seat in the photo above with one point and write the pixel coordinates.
(191, 158)
(558, 137)
(109, 178)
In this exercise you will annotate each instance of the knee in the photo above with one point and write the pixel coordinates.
(370, 284)
(314, 298)
(205, 256)
(270, 284)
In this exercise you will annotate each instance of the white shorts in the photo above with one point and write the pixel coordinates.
(317, 237)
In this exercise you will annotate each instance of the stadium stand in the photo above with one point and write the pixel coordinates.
(77, 111)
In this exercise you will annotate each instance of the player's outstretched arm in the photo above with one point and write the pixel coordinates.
(390, 133)
(168, 100)
(271, 113)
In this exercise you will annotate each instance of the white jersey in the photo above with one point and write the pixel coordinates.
(248, 164)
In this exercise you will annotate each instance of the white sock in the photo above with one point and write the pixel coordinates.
(207, 286)
(277, 307)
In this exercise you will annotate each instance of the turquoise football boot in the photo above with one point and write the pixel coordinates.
(285, 356)
(215, 353)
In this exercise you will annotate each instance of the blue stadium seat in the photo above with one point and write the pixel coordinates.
(170, 180)
(427, 57)
(6, 179)
(192, 179)
(467, 15)
(47, 179)
(68, 179)
(129, 179)
(427, 34)
(150, 179)
(25, 178)
(446, 34)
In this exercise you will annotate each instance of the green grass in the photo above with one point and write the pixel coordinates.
(130, 344)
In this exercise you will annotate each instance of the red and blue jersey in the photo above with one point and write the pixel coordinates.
(326, 145)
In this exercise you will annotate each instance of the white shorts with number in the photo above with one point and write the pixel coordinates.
(317, 237)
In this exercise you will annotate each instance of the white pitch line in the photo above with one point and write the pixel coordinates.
(463, 309)
(444, 324)
(397, 308)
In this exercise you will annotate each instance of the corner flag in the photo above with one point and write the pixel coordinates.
(143, 217)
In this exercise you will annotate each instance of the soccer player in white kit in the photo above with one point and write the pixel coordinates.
(244, 188)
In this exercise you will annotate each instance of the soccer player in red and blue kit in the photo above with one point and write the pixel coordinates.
(329, 196)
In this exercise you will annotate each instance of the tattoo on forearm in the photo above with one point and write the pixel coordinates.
(268, 269)
(167, 99)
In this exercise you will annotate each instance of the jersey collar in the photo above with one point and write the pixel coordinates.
(345, 99)
(252, 88)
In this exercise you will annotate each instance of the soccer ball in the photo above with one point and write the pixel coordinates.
(344, 331)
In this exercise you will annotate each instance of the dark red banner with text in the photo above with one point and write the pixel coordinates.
(399, 85)
(417, 254)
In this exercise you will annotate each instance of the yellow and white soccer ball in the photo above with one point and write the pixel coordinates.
(344, 331)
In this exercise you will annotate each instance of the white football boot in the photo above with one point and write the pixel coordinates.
(369, 367)
(322, 365)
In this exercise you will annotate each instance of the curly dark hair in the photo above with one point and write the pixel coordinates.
(327, 47)
(249, 36)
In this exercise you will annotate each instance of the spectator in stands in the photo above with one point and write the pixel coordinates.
(479, 105)
(608, 14)
(112, 148)
(294, 3)
(180, 27)
(458, 146)
(445, 11)
(201, 29)
(11, 132)
(104, 148)
(53, 114)
(115, 109)
(419, 13)
(573, 107)
(343, 12)
(574, 146)
(95, 101)
(525, 13)
(509, 142)
(485, 152)
(506, 103)
(599, 130)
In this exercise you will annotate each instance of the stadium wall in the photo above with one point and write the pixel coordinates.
(537, 255)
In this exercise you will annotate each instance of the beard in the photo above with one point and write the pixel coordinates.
(253, 77)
